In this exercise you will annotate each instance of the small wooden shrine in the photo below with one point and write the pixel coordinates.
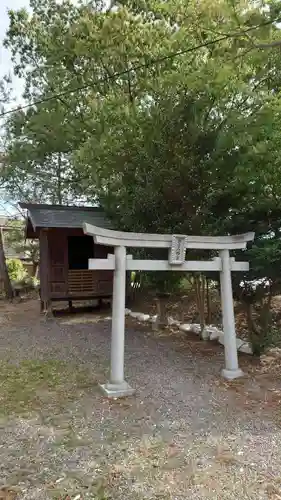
(65, 251)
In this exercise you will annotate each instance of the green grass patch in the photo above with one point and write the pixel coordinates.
(31, 384)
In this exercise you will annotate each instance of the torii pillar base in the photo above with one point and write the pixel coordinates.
(232, 374)
(117, 390)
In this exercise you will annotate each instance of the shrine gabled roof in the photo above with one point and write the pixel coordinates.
(60, 216)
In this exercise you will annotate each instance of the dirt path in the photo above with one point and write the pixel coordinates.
(186, 433)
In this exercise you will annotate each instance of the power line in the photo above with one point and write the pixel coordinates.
(146, 65)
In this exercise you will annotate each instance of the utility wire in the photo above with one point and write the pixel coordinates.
(145, 65)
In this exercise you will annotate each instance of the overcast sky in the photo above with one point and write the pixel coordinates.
(5, 60)
(6, 64)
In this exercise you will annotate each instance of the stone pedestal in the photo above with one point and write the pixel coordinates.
(117, 390)
(232, 374)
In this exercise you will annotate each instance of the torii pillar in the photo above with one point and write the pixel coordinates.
(117, 387)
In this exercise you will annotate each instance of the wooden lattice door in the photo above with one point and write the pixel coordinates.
(58, 263)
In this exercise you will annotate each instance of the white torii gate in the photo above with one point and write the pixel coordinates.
(177, 245)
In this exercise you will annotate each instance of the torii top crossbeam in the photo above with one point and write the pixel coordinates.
(127, 239)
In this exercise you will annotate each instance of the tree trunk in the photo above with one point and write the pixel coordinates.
(59, 179)
(209, 312)
(199, 284)
(34, 269)
(162, 320)
(258, 329)
(265, 310)
(4, 276)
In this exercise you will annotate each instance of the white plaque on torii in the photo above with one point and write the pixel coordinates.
(120, 262)
(178, 249)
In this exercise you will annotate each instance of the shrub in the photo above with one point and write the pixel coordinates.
(16, 270)
(30, 281)
(271, 361)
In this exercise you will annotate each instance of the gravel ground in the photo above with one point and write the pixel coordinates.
(186, 433)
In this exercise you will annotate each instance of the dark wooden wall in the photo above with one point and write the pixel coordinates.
(44, 265)
(57, 281)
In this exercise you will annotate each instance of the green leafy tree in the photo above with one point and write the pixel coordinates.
(188, 144)
(61, 46)
(15, 239)
(5, 281)
(38, 163)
